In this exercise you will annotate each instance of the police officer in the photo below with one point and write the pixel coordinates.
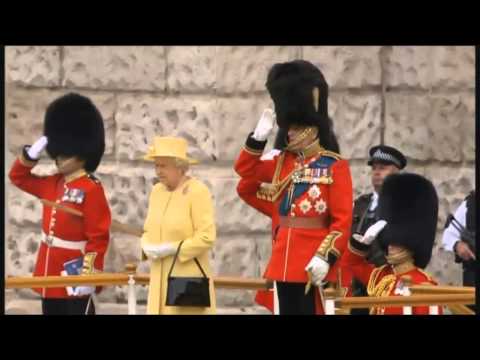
(384, 160)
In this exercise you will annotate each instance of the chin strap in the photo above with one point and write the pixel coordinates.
(400, 257)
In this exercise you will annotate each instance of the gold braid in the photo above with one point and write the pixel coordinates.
(305, 133)
(383, 288)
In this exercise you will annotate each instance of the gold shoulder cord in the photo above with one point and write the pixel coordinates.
(373, 279)
(278, 168)
(383, 288)
(271, 192)
(332, 154)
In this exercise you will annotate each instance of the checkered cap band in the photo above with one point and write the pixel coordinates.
(380, 155)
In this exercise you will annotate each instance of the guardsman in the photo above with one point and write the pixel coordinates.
(384, 160)
(408, 211)
(74, 137)
(310, 188)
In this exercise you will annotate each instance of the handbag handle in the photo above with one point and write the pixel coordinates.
(175, 260)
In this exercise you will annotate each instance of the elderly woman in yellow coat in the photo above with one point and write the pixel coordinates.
(180, 210)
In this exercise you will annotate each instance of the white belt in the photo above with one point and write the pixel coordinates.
(53, 241)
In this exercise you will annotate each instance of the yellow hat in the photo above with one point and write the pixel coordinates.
(169, 146)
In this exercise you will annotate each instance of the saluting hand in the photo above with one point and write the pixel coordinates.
(36, 149)
(265, 125)
(371, 233)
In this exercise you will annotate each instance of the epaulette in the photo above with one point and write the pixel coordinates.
(331, 154)
(428, 276)
(93, 178)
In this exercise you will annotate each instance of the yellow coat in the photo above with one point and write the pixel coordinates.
(184, 214)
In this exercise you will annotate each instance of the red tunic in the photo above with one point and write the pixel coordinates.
(247, 190)
(293, 248)
(385, 280)
(93, 227)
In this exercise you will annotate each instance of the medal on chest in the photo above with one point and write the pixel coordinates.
(316, 175)
(75, 196)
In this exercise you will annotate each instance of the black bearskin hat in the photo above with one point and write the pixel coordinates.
(409, 204)
(330, 141)
(74, 127)
(281, 139)
(290, 86)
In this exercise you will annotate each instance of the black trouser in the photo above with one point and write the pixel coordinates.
(358, 289)
(468, 277)
(293, 301)
(77, 306)
(469, 280)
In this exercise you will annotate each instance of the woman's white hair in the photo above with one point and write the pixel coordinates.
(178, 163)
(181, 164)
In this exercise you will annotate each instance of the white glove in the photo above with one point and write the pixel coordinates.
(83, 290)
(270, 155)
(265, 125)
(371, 233)
(35, 150)
(319, 269)
(155, 252)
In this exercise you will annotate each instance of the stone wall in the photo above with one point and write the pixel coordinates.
(419, 99)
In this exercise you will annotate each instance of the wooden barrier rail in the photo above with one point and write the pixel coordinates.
(458, 309)
(430, 289)
(224, 282)
(106, 279)
(413, 300)
(62, 281)
(467, 297)
(454, 297)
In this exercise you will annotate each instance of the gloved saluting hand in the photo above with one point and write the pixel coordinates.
(265, 125)
(371, 233)
(36, 149)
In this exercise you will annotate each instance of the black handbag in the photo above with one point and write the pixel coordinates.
(188, 291)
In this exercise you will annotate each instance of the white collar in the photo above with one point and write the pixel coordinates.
(374, 203)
